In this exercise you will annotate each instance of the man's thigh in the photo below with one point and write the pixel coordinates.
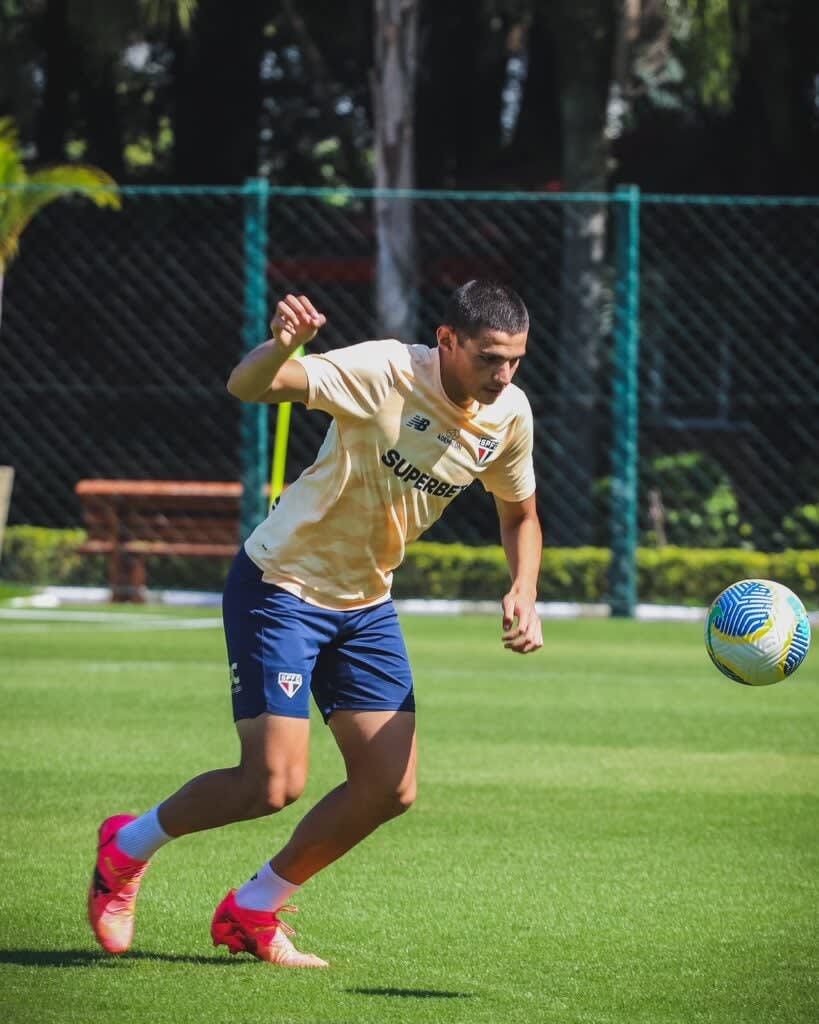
(379, 749)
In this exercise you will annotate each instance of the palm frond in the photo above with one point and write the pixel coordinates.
(11, 164)
(27, 197)
(93, 183)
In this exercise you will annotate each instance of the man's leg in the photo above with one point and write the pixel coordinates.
(273, 640)
(380, 756)
(379, 752)
(271, 774)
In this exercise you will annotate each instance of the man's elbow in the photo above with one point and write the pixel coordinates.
(234, 388)
(240, 389)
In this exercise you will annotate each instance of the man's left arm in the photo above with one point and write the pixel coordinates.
(523, 544)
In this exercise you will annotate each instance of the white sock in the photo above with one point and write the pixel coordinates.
(143, 836)
(265, 891)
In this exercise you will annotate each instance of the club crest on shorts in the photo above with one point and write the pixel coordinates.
(487, 446)
(290, 682)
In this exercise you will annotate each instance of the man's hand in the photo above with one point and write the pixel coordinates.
(521, 626)
(267, 373)
(296, 322)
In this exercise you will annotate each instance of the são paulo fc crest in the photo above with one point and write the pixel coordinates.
(487, 446)
(290, 682)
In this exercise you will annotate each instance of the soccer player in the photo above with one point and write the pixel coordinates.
(307, 604)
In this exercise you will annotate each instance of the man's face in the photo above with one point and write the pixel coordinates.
(478, 369)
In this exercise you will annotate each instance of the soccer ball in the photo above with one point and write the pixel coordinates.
(757, 632)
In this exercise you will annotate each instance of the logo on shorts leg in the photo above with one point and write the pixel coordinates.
(290, 682)
(235, 685)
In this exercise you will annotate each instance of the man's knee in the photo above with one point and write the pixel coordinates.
(273, 766)
(270, 794)
(390, 802)
(275, 797)
(404, 798)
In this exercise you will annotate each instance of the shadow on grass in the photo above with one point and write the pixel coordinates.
(410, 993)
(90, 958)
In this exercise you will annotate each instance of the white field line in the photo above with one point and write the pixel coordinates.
(38, 606)
(125, 620)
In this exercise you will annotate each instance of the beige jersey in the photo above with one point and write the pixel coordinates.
(396, 454)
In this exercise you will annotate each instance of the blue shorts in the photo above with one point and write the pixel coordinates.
(280, 649)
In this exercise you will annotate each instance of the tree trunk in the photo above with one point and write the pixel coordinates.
(98, 96)
(586, 49)
(218, 99)
(396, 33)
(51, 129)
(535, 152)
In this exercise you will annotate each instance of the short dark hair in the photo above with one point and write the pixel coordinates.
(481, 304)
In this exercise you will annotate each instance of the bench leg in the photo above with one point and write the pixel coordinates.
(137, 578)
(116, 578)
(128, 578)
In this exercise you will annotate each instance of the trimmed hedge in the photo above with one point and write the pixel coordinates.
(696, 575)
(668, 575)
(37, 555)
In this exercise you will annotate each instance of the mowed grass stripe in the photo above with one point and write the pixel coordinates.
(605, 832)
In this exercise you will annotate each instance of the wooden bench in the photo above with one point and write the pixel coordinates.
(131, 520)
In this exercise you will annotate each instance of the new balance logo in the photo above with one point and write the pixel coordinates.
(417, 422)
(290, 682)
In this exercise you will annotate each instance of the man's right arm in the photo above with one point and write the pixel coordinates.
(267, 374)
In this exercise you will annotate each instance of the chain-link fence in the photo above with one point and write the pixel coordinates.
(120, 328)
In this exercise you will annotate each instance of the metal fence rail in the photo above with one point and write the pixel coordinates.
(673, 366)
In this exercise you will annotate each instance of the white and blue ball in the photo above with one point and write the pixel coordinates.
(757, 632)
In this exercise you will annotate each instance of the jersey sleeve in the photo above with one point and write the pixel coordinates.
(512, 475)
(353, 381)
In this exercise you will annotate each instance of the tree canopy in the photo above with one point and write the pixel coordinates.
(675, 95)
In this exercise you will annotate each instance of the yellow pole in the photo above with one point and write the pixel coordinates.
(280, 439)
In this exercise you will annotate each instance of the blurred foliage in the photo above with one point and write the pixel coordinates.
(110, 26)
(699, 505)
(800, 529)
(704, 36)
(687, 499)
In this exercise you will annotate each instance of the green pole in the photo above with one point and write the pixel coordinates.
(254, 422)
(625, 442)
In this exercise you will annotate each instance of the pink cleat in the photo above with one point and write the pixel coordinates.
(114, 887)
(259, 933)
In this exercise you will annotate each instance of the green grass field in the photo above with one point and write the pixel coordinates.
(608, 832)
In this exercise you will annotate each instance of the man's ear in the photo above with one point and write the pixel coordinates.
(447, 338)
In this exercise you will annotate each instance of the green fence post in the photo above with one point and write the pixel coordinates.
(254, 423)
(625, 445)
